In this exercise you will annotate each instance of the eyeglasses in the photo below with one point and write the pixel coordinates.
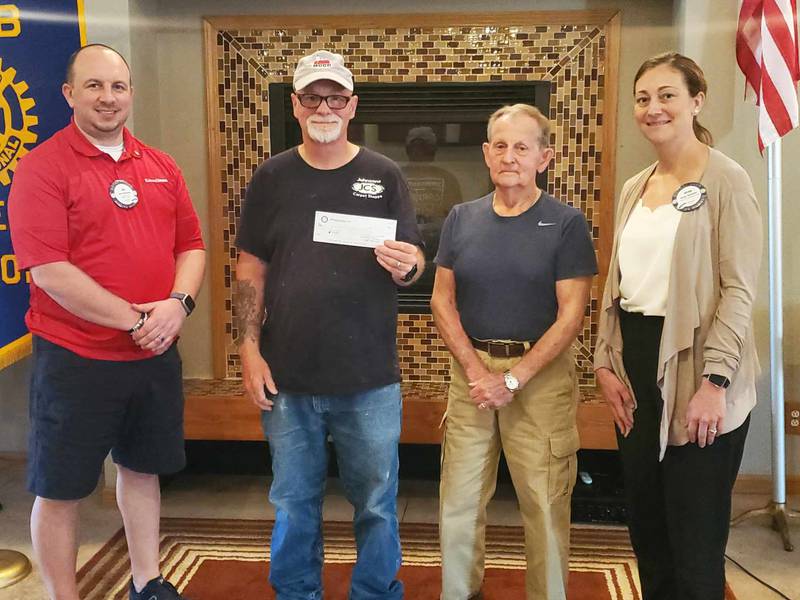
(335, 101)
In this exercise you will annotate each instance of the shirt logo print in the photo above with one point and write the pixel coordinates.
(543, 224)
(368, 188)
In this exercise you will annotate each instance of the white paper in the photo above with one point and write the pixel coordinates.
(352, 230)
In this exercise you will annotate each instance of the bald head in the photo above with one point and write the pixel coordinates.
(94, 51)
(99, 92)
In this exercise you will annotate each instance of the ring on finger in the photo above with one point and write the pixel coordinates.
(712, 430)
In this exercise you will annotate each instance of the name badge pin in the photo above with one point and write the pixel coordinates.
(690, 196)
(123, 194)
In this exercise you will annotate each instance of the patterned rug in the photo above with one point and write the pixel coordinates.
(214, 559)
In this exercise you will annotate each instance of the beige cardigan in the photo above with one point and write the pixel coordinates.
(713, 279)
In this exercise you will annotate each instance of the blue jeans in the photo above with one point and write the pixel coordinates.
(365, 428)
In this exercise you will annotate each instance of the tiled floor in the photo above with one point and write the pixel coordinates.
(752, 543)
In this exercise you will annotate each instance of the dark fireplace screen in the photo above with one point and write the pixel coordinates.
(434, 131)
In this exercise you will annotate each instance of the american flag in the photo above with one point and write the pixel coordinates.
(767, 53)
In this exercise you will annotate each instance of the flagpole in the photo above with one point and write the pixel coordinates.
(777, 507)
(774, 192)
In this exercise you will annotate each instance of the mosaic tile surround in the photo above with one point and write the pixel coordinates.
(572, 57)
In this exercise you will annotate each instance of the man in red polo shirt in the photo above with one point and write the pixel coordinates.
(106, 226)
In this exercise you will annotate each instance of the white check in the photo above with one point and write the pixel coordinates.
(352, 230)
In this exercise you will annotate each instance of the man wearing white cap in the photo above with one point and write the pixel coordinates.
(327, 234)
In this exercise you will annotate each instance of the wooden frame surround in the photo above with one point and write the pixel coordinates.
(245, 53)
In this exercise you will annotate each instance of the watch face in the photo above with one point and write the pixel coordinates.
(186, 300)
(189, 302)
(719, 380)
(512, 383)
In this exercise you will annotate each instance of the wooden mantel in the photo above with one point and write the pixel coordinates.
(218, 410)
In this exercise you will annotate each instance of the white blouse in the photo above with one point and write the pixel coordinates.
(645, 258)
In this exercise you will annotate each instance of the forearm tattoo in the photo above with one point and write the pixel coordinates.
(247, 318)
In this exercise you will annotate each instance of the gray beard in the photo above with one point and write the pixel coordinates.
(323, 135)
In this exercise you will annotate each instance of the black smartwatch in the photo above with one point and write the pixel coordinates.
(718, 380)
(410, 275)
(186, 301)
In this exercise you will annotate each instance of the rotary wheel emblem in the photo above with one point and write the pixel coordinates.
(15, 122)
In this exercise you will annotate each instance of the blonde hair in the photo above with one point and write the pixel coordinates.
(526, 110)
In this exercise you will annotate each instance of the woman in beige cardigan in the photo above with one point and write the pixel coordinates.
(675, 354)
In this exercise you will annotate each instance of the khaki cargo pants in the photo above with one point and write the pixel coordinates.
(539, 437)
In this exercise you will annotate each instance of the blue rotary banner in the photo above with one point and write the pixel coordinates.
(36, 39)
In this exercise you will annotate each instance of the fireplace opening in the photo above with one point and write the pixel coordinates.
(434, 131)
(598, 496)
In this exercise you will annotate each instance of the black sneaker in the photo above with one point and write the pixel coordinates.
(156, 589)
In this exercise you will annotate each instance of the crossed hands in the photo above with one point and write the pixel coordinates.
(164, 321)
(488, 391)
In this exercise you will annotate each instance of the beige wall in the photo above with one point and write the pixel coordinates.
(166, 52)
(707, 32)
(14, 407)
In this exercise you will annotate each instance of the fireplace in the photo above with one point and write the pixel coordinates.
(434, 131)
(565, 62)
(572, 58)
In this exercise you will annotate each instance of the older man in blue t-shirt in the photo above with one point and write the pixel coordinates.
(514, 270)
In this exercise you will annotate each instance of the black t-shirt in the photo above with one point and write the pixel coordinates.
(331, 309)
(506, 268)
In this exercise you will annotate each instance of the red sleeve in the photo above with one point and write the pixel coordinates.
(187, 227)
(37, 214)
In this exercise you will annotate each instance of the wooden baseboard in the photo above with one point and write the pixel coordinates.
(762, 484)
(14, 456)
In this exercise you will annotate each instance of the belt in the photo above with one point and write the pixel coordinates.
(501, 349)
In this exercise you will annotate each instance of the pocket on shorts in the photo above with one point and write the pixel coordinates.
(563, 467)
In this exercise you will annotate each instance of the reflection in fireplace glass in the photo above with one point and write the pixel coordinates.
(443, 164)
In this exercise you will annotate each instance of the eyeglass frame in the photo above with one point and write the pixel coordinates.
(325, 98)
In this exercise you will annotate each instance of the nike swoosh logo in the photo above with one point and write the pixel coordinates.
(543, 224)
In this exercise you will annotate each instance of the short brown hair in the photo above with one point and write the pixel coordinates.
(525, 110)
(693, 77)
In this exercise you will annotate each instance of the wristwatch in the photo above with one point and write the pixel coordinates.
(512, 383)
(410, 275)
(718, 380)
(186, 301)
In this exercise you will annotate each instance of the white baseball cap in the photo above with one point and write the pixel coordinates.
(322, 65)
